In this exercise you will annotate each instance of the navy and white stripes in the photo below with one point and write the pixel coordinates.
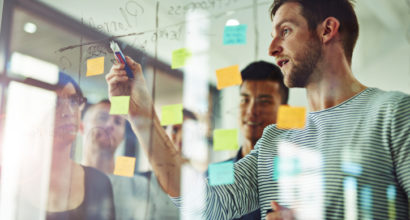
(354, 163)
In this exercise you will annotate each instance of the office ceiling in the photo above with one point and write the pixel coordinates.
(380, 21)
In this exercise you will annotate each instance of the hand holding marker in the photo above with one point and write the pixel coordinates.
(121, 58)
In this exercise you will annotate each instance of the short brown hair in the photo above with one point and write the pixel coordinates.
(316, 11)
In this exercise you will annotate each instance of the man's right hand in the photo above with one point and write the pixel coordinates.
(161, 153)
(120, 85)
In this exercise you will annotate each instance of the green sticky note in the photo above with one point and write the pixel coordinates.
(119, 105)
(179, 57)
(221, 173)
(285, 167)
(171, 114)
(226, 139)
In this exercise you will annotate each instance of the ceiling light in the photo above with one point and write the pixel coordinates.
(30, 28)
(232, 22)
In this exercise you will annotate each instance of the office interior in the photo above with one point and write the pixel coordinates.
(39, 38)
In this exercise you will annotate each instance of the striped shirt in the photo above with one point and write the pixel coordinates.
(351, 161)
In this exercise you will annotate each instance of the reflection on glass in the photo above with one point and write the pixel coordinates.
(32, 67)
(391, 198)
(350, 194)
(195, 98)
(351, 168)
(300, 180)
(366, 202)
(26, 152)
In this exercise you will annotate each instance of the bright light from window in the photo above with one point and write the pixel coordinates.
(232, 22)
(30, 28)
(32, 67)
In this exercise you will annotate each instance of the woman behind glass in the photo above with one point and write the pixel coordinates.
(75, 191)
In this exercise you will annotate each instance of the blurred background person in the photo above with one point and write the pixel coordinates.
(176, 134)
(138, 197)
(75, 191)
(262, 92)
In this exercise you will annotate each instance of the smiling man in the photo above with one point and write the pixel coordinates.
(262, 92)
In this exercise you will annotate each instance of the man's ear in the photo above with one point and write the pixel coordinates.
(329, 29)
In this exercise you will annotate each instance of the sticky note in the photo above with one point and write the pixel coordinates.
(119, 105)
(228, 76)
(221, 173)
(95, 66)
(291, 117)
(235, 34)
(226, 139)
(285, 167)
(124, 166)
(179, 57)
(171, 114)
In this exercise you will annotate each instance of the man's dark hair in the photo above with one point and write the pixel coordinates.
(316, 11)
(88, 106)
(262, 70)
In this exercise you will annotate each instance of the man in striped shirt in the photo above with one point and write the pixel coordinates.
(352, 159)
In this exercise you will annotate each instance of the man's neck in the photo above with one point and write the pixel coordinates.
(332, 85)
(247, 147)
(99, 159)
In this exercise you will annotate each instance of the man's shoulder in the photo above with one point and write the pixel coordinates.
(272, 132)
(388, 101)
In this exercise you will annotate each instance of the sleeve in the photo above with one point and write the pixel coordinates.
(400, 142)
(234, 200)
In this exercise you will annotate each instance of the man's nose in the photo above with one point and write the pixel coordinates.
(252, 108)
(275, 48)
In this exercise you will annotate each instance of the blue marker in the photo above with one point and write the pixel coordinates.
(121, 58)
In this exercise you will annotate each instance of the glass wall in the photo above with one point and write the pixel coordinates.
(68, 150)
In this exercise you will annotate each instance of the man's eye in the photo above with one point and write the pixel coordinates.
(244, 100)
(118, 121)
(103, 117)
(285, 32)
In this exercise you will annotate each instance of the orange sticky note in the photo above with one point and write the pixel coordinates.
(228, 76)
(95, 66)
(124, 166)
(291, 117)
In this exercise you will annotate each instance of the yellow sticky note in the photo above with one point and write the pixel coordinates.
(291, 117)
(95, 66)
(119, 105)
(226, 139)
(179, 57)
(228, 76)
(171, 114)
(124, 166)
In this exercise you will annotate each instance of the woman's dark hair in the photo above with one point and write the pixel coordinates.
(64, 79)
